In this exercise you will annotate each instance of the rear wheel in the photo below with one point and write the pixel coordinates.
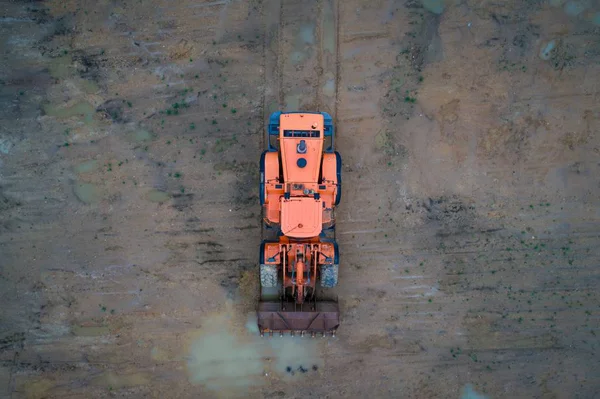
(261, 186)
(329, 275)
(338, 167)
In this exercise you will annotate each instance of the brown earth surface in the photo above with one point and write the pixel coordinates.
(130, 133)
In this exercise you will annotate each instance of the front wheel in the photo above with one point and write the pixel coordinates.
(329, 275)
(268, 276)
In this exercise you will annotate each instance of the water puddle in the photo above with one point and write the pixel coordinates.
(297, 57)
(219, 359)
(86, 193)
(141, 135)
(37, 388)
(88, 86)
(307, 34)
(329, 32)
(469, 393)
(157, 196)
(435, 6)
(574, 8)
(229, 358)
(86, 167)
(303, 44)
(5, 145)
(272, 107)
(83, 110)
(94, 331)
(546, 51)
(292, 101)
(329, 86)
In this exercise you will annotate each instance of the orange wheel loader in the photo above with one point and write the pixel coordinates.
(300, 186)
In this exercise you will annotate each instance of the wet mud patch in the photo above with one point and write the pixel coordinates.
(115, 110)
(245, 187)
(183, 201)
(89, 65)
(514, 47)
(451, 215)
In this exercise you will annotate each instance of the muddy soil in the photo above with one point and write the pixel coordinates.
(130, 133)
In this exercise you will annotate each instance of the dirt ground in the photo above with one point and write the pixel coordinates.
(130, 134)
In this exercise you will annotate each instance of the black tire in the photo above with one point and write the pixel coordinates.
(329, 275)
(261, 186)
(268, 276)
(338, 164)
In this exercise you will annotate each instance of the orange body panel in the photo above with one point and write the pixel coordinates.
(289, 147)
(271, 181)
(302, 169)
(301, 217)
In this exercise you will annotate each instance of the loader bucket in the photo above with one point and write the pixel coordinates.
(288, 317)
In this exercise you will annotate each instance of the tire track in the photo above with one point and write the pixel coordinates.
(301, 56)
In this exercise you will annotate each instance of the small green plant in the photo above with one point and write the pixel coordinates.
(129, 104)
(192, 126)
(177, 175)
